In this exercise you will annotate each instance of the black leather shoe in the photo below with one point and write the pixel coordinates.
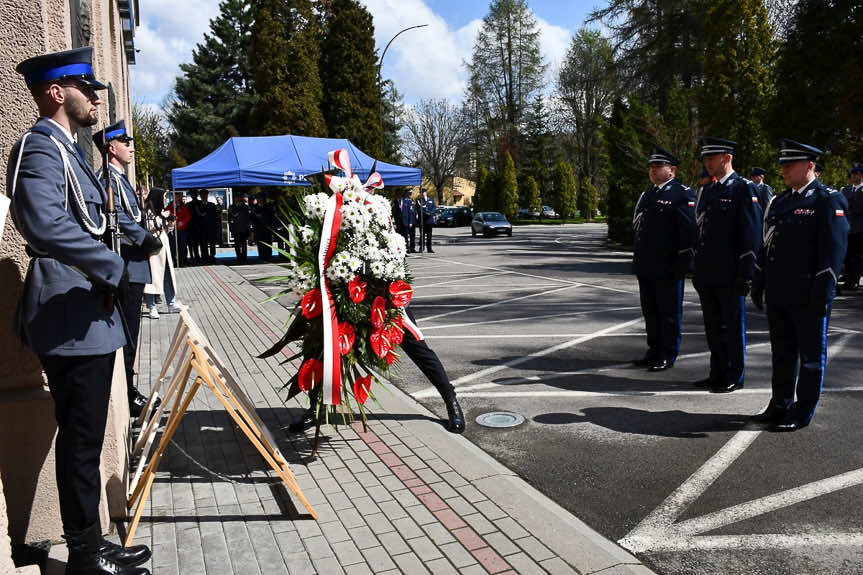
(306, 421)
(128, 556)
(455, 416)
(772, 414)
(726, 387)
(661, 365)
(706, 382)
(138, 401)
(431, 251)
(87, 558)
(789, 423)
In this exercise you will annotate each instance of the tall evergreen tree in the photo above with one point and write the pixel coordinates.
(393, 123)
(506, 70)
(480, 192)
(564, 191)
(285, 62)
(348, 69)
(508, 187)
(533, 199)
(820, 95)
(738, 79)
(214, 96)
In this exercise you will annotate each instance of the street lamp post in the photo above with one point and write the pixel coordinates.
(380, 80)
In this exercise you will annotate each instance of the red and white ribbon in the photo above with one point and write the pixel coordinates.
(411, 326)
(332, 353)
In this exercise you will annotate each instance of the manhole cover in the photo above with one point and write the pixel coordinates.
(500, 419)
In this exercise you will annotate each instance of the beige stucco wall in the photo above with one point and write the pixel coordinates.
(26, 409)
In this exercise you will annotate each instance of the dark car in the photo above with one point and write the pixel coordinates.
(444, 217)
(527, 213)
(449, 216)
(490, 223)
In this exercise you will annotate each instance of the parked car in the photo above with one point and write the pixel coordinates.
(527, 213)
(548, 212)
(447, 216)
(490, 223)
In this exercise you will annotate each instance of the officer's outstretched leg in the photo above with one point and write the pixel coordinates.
(427, 360)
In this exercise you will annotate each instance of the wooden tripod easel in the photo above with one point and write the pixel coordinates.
(193, 353)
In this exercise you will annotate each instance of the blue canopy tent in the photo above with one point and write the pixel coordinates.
(281, 161)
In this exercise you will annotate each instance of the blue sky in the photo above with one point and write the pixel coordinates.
(424, 63)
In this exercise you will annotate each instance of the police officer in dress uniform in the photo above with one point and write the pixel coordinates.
(728, 217)
(66, 313)
(135, 248)
(427, 209)
(853, 194)
(765, 192)
(405, 218)
(663, 250)
(806, 234)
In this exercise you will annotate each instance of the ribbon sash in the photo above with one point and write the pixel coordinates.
(332, 353)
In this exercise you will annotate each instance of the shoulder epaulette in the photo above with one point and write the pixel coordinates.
(38, 129)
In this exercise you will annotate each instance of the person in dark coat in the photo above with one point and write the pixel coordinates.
(427, 209)
(135, 249)
(765, 192)
(195, 240)
(405, 218)
(67, 314)
(210, 225)
(805, 238)
(663, 250)
(728, 217)
(853, 194)
(239, 220)
(263, 218)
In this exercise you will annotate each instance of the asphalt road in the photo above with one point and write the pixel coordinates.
(544, 324)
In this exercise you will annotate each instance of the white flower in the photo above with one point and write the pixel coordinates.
(355, 217)
(316, 205)
(306, 234)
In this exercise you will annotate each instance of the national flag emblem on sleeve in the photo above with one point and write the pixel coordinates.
(691, 204)
(840, 213)
(754, 199)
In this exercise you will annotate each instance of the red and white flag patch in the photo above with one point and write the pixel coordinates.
(691, 204)
(754, 200)
(840, 213)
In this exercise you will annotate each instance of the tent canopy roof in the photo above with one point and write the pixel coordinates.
(281, 161)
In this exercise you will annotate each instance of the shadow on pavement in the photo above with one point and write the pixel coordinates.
(673, 423)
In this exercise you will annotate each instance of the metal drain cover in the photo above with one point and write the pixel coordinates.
(500, 419)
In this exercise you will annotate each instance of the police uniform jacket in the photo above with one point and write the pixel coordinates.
(806, 235)
(61, 311)
(427, 207)
(403, 213)
(136, 258)
(854, 197)
(729, 232)
(664, 224)
(765, 193)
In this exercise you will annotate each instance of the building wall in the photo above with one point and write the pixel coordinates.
(26, 409)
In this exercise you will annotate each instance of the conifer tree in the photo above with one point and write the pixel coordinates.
(532, 195)
(479, 194)
(393, 122)
(564, 190)
(285, 63)
(348, 68)
(214, 96)
(508, 187)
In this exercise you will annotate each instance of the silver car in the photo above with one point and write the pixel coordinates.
(489, 224)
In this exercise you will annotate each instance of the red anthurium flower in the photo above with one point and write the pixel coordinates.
(378, 312)
(346, 337)
(400, 293)
(391, 357)
(357, 289)
(380, 344)
(312, 305)
(311, 374)
(361, 388)
(394, 333)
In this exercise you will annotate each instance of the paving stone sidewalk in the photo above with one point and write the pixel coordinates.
(404, 497)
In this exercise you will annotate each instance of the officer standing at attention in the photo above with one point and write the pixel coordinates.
(426, 207)
(729, 235)
(66, 313)
(765, 192)
(663, 250)
(135, 249)
(853, 194)
(806, 234)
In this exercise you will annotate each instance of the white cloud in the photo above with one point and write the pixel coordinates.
(554, 42)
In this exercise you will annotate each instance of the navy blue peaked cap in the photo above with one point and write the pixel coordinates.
(711, 146)
(856, 168)
(756, 171)
(116, 131)
(658, 154)
(76, 64)
(791, 151)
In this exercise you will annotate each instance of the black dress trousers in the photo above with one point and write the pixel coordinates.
(81, 387)
(132, 312)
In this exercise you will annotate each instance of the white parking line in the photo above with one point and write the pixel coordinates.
(623, 393)
(462, 279)
(503, 301)
(525, 318)
(496, 290)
